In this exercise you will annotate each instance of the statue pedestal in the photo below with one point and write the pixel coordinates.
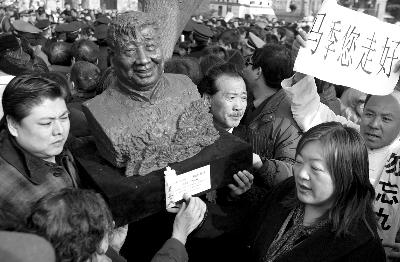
(134, 198)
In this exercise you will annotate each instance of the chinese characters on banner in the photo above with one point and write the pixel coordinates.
(352, 49)
(387, 198)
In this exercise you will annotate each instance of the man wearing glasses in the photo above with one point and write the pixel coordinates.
(269, 125)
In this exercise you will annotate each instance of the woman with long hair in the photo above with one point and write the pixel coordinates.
(324, 212)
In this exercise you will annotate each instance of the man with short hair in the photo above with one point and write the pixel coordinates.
(225, 88)
(85, 77)
(269, 126)
(85, 50)
(60, 57)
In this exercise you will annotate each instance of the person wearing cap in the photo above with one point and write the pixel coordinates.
(21, 26)
(44, 25)
(202, 36)
(73, 31)
(103, 20)
(15, 61)
(29, 32)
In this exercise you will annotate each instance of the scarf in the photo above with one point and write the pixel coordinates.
(291, 234)
(385, 177)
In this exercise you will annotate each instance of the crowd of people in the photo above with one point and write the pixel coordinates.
(323, 185)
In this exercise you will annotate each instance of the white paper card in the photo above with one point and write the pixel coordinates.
(192, 182)
(349, 48)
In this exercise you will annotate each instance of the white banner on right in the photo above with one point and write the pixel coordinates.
(349, 48)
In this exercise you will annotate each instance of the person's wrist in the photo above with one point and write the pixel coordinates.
(180, 237)
(232, 197)
(297, 78)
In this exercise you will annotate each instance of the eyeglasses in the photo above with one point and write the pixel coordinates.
(249, 61)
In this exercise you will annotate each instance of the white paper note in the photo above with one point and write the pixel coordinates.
(192, 182)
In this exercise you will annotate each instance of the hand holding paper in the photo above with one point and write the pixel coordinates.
(117, 237)
(188, 218)
(396, 67)
(300, 41)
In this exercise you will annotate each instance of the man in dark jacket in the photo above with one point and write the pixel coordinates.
(269, 126)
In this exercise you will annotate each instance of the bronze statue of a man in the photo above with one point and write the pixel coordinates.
(146, 119)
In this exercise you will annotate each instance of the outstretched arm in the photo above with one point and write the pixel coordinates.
(307, 109)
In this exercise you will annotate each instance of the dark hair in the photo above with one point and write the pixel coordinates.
(367, 98)
(74, 221)
(62, 81)
(23, 92)
(207, 84)
(188, 66)
(215, 50)
(208, 61)
(346, 158)
(60, 54)
(85, 50)
(85, 70)
(276, 63)
(270, 38)
(229, 37)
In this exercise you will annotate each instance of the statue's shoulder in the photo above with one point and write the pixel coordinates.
(110, 95)
(180, 82)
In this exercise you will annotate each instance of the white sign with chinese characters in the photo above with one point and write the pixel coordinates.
(192, 183)
(349, 48)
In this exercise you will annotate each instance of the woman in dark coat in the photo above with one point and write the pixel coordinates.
(324, 212)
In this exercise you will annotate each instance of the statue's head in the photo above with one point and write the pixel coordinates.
(137, 57)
